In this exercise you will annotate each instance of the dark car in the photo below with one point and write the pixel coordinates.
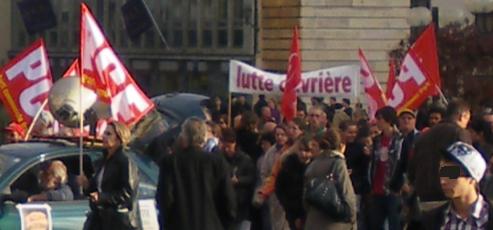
(20, 163)
(164, 122)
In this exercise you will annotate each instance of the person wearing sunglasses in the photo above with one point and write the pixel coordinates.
(461, 168)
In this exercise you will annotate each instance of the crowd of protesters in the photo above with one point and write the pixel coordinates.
(331, 167)
(401, 170)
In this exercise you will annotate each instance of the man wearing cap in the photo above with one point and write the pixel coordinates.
(13, 133)
(461, 168)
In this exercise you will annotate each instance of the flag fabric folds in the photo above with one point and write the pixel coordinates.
(25, 82)
(419, 74)
(102, 71)
(293, 79)
(374, 94)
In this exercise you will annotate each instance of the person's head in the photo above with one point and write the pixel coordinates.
(223, 121)
(459, 112)
(315, 117)
(480, 130)
(52, 175)
(44, 124)
(13, 132)
(374, 130)
(228, 142)
(346, 102)
(272, 103)
(217, 101)
(116, 135)
(461, 169)
(241, 99)
(266, 141)
(315, 101)
(435, 115)
(300, 113)
(266, 113)
(193, 132)
(332, 100)
(349, 131)
(386, 117)
(333, 139)
(281, 135)
(407, 121)
(309, 146)
(487, 114)
(295, 128)
(249, 120)
(268, 127)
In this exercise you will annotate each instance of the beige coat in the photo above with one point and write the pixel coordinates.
(321, 166)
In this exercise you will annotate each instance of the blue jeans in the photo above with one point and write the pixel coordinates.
(387, 207)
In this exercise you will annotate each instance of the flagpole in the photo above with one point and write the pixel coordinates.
(229, 109)
(31, 126)
(442, 96)
(155, 24)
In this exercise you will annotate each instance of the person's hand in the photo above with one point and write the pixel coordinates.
(94, 197)
(258, 199)
(234, 180)
(82, 181)
(298, 223)
(406, 188)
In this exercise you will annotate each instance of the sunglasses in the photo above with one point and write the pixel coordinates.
(452, 172)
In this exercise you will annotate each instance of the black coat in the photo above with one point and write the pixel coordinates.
(195, 191)
(289, 187)
(359, 164)
(242, 166)
(247, 142)
(117, 206)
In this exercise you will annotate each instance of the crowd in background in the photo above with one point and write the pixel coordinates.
(385, 170)
(262, 172)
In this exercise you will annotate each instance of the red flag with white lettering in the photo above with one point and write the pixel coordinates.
(293, 79)
(25, 82)
(374, 94)
(419, 76)
(391, 79)
(73, 70)
(102, 71)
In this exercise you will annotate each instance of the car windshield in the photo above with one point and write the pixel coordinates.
(6, 162)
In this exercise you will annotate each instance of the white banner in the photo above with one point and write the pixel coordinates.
(342, 81)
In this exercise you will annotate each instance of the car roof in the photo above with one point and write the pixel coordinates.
(30, 149)
(181, 105)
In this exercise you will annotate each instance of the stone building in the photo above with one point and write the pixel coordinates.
(203, 35)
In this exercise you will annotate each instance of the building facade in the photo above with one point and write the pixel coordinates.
(203, 35)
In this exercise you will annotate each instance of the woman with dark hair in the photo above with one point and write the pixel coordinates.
(289, 182)
(264, 192)
(112, 190)
(329, 163)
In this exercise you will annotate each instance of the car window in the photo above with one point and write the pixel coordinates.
(28, 182)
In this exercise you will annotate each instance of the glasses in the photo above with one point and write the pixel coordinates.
(451, 172)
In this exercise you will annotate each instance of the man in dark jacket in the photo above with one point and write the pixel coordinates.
(461, 168)
(194, 190)
(242, 172)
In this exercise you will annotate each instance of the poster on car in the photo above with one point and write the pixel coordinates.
(148, 214)
(35, 216)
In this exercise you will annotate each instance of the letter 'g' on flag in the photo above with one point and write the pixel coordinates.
(293, 79)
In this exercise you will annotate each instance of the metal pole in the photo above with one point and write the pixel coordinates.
(155, 24)
(31, 126)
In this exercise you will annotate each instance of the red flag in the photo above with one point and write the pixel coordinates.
(374, 94)
(293, 79)
(73, 70)
(391, 79)
(25, 82)
(418, 78)
(102, 71)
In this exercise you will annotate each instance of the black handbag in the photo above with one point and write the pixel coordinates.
(324, 193)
